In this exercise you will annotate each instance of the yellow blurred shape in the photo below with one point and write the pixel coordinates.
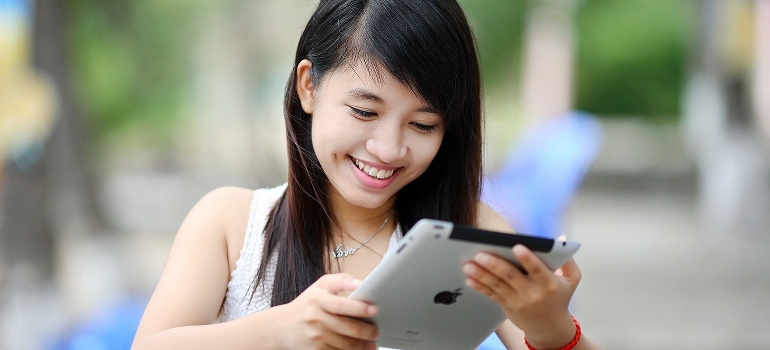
(14, 43)
(27, 99)
(27, 109)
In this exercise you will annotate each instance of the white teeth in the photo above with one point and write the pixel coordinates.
(372, 171)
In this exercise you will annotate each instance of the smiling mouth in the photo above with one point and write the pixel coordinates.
(372, 171)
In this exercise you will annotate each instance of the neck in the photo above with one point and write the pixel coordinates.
(360, 222)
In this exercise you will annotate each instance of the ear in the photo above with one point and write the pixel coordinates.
(305, 87)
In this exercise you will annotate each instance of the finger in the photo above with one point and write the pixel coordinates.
(336, 341)
(571, 272)
(536, 270)
(338, 305)
(333, 332)
(486, 290)
(320, 337)
(351, 328)
(481, 275)
(344, 333)
(496, 273)
(511, 274)
(338, 283)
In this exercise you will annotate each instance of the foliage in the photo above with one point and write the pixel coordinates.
(631, 56)
(497, 26)
(130, 61)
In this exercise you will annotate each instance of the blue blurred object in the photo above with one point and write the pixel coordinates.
(544, 170)
(16, 7)
(492, 342)
(112, 329)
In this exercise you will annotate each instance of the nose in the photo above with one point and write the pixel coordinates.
(387, 145)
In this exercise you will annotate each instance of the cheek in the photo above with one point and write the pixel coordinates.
(426, 150)
(331, 137)
(320, 130)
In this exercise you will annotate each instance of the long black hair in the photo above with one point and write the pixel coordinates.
(426, 45)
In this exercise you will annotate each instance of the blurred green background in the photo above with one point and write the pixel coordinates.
(117, 116)
(132, 65)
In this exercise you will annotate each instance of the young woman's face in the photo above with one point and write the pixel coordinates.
(372, 134)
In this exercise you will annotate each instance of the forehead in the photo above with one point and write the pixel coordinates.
(361, 76)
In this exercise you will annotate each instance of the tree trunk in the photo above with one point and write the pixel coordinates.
(31, 188)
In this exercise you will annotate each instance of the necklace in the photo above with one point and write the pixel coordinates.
(341, 252)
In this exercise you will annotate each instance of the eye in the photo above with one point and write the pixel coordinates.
(362, 113)
(424, 127)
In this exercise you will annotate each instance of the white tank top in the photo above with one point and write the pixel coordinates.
(237, 303)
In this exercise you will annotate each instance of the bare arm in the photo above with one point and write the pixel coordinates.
(313, 321)
(189, 295)
(194, 281)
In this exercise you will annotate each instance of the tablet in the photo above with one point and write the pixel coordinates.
(420, 288)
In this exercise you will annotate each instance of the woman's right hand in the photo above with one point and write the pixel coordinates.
(321, 318)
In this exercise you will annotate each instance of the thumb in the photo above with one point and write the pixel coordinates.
(338, 283)
(571, 272)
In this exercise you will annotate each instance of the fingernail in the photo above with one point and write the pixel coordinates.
(481, 258)
(372, 346)
(371, 310)
(469, 268)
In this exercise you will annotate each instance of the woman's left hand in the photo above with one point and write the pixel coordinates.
(536, 302)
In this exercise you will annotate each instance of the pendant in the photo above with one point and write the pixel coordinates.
(342, 252)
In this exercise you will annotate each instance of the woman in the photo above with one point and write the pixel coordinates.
(383, 121)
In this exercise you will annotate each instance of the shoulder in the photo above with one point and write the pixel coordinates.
(227, 194)
(231, 205)
(215, 207)
(198, 263)
(223, 210)
(218, 220)
(233, 208)
(488, 219)
(226, 202)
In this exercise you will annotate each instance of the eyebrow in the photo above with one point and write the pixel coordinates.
(363, 94)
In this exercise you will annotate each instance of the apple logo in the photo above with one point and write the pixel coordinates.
(447, 297)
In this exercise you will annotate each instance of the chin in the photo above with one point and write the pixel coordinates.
(364, 199)
(368, 203)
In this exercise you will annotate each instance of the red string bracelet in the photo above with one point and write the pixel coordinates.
(571, 344)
